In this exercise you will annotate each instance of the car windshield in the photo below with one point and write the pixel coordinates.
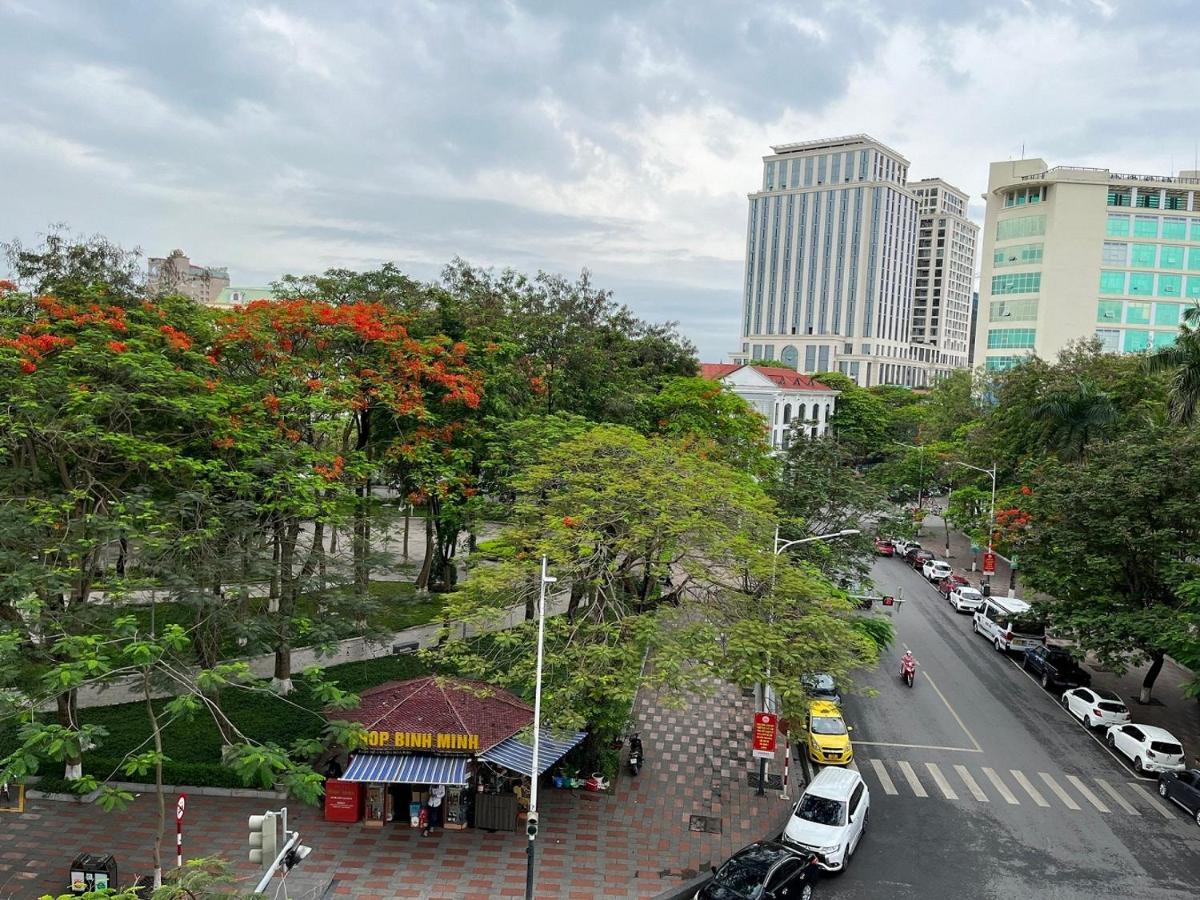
(1060, 657)
(821, 810)
(1108, 695)
(742, 877)
(1166, 748)
(828, 725)
(823, 684)
(969, 594)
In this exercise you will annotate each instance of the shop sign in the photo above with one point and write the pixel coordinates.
(989, 563)
(764, 735)
(422, 740)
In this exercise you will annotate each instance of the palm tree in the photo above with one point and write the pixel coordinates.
(1074, 419)
(1182, 360)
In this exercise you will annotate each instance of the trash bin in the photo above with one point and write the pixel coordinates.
(93, 872)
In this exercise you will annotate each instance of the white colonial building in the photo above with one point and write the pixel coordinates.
(784, 397)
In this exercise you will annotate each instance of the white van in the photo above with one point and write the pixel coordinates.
(994, 620)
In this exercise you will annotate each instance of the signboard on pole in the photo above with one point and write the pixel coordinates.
(763, 735)
(989, 563)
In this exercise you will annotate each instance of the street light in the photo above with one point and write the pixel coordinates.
(531, 820)
(920, 466)
(778, 547)
(992, 514)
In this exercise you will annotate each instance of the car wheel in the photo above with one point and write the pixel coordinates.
(1162, 789)
(1066, 704)
(999, 646)
(1046, 680)
(1112, 742)
(806, 892)
(1198, 817)
(974, 626)
(1138, 767)
(1087, 720)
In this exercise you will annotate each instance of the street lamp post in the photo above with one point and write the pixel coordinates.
(531, 821)
(779, 546)
(992, 513)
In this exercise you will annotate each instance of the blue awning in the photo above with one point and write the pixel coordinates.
(407, 768)
(517, 755)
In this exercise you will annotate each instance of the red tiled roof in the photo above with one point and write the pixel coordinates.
(443, 706)
(784, 377)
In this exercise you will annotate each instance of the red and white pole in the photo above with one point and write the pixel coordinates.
(180, 806)
(787, 761)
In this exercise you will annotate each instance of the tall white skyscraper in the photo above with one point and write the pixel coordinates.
(830, 262)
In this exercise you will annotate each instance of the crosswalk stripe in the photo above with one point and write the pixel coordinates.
(853, 764)
(1088, 795)
(911, 777)
(1059, 792)
(1151, 799)
(1001, 786)
(1029, 788)
(942, 783)
(1121, 801)
(972, 785)
(884, 778)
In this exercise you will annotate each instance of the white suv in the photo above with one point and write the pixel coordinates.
(831, 817)
(965, 598)
(936, 569)
(1149, 748)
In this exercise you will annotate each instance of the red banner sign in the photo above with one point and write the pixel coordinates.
(989, 563)
(764, 735)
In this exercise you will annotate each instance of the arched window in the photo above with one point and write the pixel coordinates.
(828, 410)
(787, 413)
(790, 357)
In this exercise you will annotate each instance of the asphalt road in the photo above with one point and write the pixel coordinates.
(982, 787)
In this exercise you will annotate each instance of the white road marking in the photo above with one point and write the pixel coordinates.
(911, 777)
(853, 764)
(1029, 788)
(1059, 792)
(966, 731)
(1001, 786)
(972, 785)
(917, 746)
(942, 783)
(1151, 799)
(884, 778)
(1088, 795)
(1121, 801)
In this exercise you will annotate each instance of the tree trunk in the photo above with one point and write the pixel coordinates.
(362, 541)
(285, 607)
(276, 552)
(407, 516)
(208, 656)
(576, 597)
(67, 718)
(158, 780)
(122, 555)
(1156, 664)
(427, 563)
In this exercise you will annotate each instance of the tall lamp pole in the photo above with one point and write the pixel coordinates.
(779, 546)
(531, 821)
(992, 514)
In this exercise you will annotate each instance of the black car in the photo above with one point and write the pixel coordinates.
(1182, 788)
(1055, 667)
(766, 870)
(821, 686)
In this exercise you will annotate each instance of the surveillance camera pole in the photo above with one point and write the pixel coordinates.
(531, 821)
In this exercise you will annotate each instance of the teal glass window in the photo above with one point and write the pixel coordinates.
(1170, 257)
(1195, 230)
(1143, 255)
(1194, 259)
(1163, 339)
(1108, 311)
(1166, 314)
(1017, 283)
(1015, 310)
(1137, 313)
(1141, 283)
(1112, 282)
(1145, 226)
(1118, 226)
(1017, 255)
(1193, 286)
(1000, 363)
(1021, 226)
(1174, 229)
(1136, 341)
(1170, 285)
(1011, 338)
(1109, 338)
(1147, 199)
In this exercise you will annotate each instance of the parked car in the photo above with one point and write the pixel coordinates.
(821, 686)
(916, 557)
(827, 735)
(884, 547)
(903, 545)
(830, 818)
(1095, 707)
(950, 582)
(1006, 622)
(965, 598)
(1182, 789)
(764, 869)
(1149, 748)
(1055, 667)
(935, 569)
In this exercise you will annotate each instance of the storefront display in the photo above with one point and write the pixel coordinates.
(456, 803)
(376, 806)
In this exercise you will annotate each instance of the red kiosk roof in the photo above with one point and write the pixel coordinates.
(443, 706)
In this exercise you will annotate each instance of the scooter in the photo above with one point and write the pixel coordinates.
(635, 753)
(908, 671)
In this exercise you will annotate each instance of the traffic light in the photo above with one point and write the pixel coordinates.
(531, 825)
(264, 841)
(889, 601)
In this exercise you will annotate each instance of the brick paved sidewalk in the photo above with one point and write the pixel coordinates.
(634, 843)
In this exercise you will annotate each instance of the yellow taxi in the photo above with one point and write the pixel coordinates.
(828, 738)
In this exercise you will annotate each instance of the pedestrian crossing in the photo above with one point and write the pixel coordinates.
(1043, 790)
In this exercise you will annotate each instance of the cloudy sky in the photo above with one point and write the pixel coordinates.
(618, 136)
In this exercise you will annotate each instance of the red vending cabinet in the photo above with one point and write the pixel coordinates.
(343, 801)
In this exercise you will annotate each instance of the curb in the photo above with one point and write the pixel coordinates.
(138, 787)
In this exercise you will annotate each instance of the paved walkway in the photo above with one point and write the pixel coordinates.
(633, 843)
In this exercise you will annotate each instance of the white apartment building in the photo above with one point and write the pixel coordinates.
(830, 262)
(176, 274)
(784, 398)
(1071, 253)
(945, 278)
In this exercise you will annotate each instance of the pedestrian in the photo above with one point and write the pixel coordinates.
(436, 793)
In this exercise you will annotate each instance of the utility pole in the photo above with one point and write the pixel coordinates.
(531, 820)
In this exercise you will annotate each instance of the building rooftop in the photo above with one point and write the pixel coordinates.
(849, 140)
(789, 379)
(1091, 174)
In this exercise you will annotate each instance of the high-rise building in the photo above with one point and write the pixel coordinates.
(176, 275)
(830, 262)
(974, 329)
(1074, 252)
(945, 276)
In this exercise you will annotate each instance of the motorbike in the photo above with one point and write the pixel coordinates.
(908, 671)
(635, 753)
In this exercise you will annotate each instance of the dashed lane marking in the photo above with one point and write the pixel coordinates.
(1059, 792)
(885, 779)
(1000, 786)
(1151, 799)
(1120, 801)
(1025, 783)
(942, 783)
(1088, 795)
(911, 777)
(972, 785)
